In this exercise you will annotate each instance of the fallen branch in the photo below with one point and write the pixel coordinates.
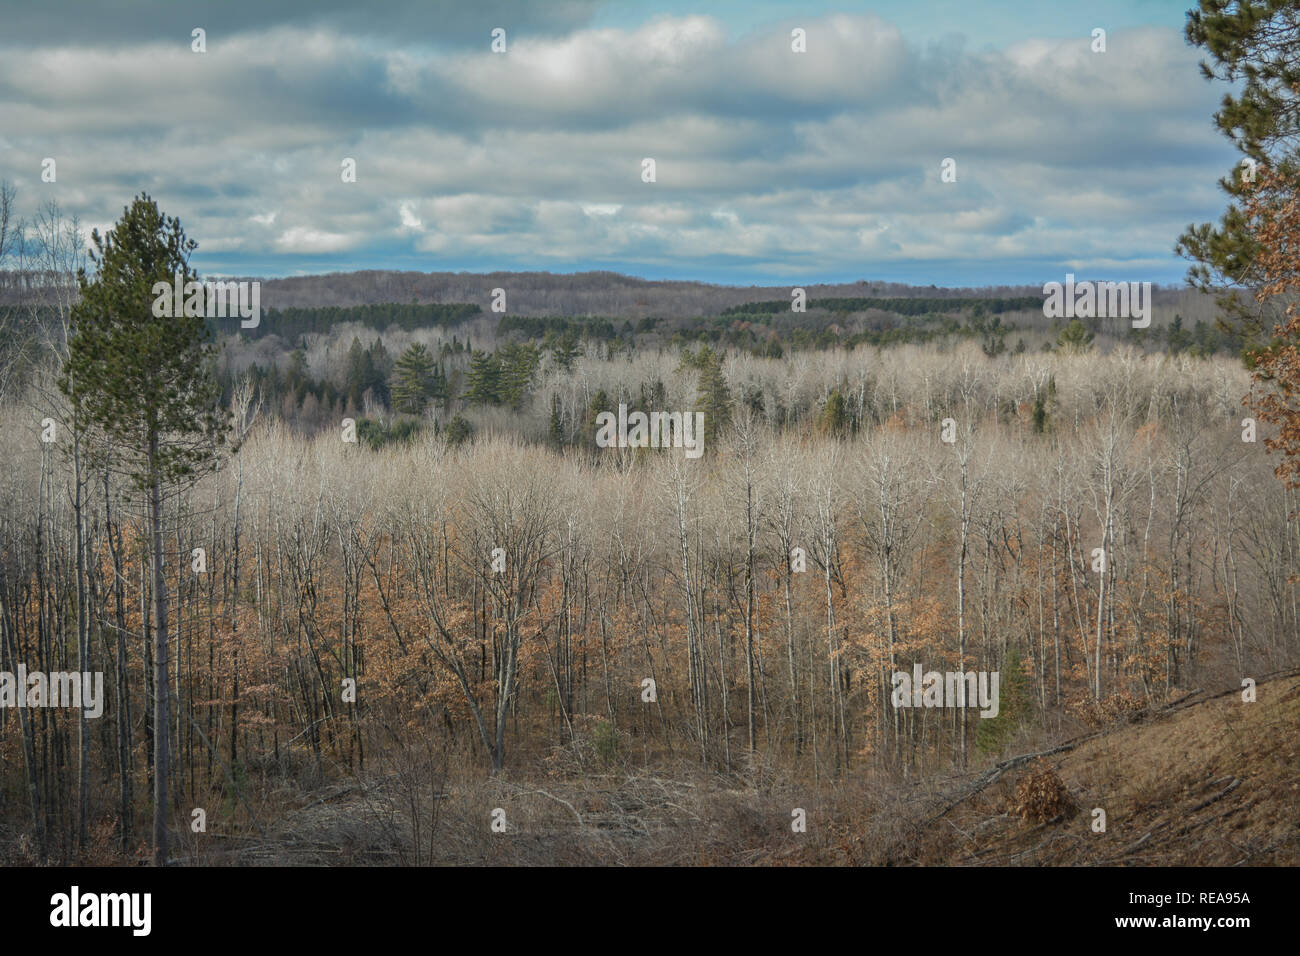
(1236, 782)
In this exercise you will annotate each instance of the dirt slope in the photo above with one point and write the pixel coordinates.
(1210, 782)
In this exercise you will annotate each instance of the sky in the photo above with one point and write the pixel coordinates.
(772, 167)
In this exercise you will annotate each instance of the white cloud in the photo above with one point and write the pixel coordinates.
(408, 217)
(302, 239)
(814, 160)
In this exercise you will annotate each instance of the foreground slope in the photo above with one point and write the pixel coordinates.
(1207, 781)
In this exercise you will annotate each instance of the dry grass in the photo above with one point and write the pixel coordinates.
(1215, 784)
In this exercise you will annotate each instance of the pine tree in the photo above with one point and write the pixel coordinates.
(556, 429)
(377, 369)
(714, 396)
(1040, 414)
(1255, 46)
(440, 391)
(459, 431)
(565, 349)
(1075, 337)
(599, 403)
(1178, 337)
(356, 377)
(518, 362)
(1014, 706)
(146, 383)
(413, 382)
(483, 385)
(835, 414)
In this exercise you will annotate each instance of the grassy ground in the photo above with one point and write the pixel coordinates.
(1208, 780)
(1213, 782)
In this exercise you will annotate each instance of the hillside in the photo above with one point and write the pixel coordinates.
(584, 293)
(1206, 781)
(1209, 781)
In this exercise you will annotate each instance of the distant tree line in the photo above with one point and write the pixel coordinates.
(898, 306)
(588, 327)
(291, 324)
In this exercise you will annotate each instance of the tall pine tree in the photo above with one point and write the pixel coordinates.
(146, 384)
(714, 397)
(483, 386)
(413, 380)
(1254, 45)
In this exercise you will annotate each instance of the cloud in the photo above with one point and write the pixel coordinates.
(408, 217)
(304, 239)
(822, 164)
(427, 22)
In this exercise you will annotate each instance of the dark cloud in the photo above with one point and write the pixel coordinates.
(431, 22)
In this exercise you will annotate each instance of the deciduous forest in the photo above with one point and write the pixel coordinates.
(427, 624)
(521, 567)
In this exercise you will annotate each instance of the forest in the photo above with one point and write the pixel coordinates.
(441, 608)
(363, 584)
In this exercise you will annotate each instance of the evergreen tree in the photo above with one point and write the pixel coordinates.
(1255, 46)
(657, 396)
(1015, 704)
(377, 370)
(413, 382)
(483, 384)
(459, 431)
(714, 396)
(992, 333)
(599, 403)
(355, 378)
(564, 349)
(1075, 337)
(1044, 405)
(835, 417)
(518, 362)
(440, 392)
(556, 430)
(1177, 337)
(147, 383)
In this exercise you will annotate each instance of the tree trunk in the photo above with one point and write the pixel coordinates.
(83, 642)
(161, 740)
